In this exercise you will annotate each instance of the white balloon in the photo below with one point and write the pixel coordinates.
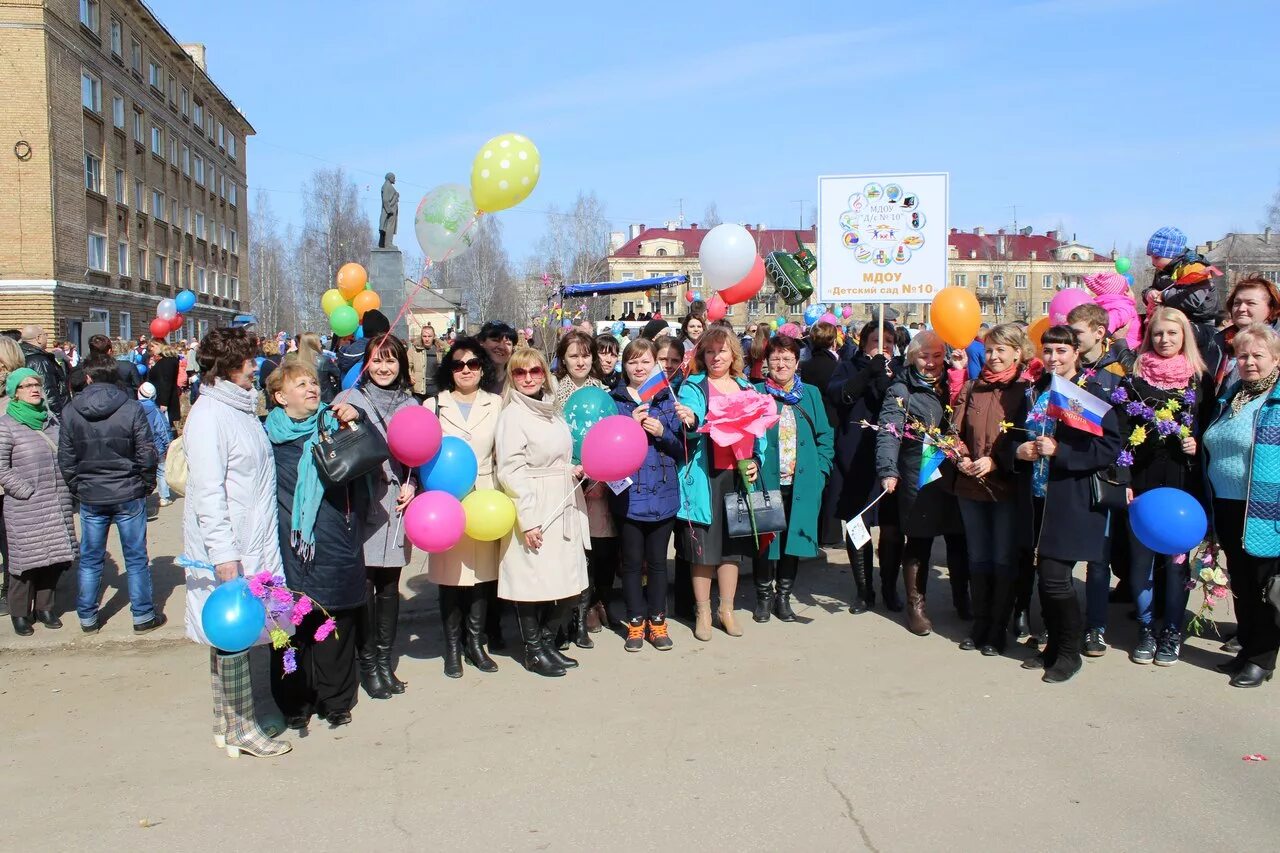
(167, 309)
(445, 222)
(728, 252)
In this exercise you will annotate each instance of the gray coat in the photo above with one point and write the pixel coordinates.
(922, 512)
(383, 527)
(37, 502)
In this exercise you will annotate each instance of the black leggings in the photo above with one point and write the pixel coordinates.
(644, 546)
(381, 577)
(602, 566)
(1256, 627)
(1056, 578)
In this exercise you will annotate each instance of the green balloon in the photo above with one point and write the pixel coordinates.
(344, 320)
(1123, 264)
(585, 408)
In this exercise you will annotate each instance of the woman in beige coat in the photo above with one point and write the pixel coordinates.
(468, 572)
(543, 565)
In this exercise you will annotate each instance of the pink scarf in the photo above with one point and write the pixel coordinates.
(1165, 373)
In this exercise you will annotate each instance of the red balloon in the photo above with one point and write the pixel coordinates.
(159, 328)
(748, 287)
(688, 296)
(176, 323)
(716, 309)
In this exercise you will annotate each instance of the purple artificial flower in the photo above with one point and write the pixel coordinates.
(891, 428)
(1167, 428)
(1187, 419)
(278, 608)
(290, 661)
(326, 628)
(1134, 409)
(1119, 395)
(1125, 459)
(281, 595)
(300, 610)
(1189, 397)
(1147, 412)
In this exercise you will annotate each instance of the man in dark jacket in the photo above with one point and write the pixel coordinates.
(107, 457)
(127, 376)
(35, 347)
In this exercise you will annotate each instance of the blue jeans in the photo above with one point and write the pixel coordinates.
(1142, 579)
(130, 519)
(991, 536)
(161, 486)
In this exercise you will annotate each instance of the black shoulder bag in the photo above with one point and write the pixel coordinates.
(343, 455)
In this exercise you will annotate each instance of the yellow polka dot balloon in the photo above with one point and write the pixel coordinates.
(504, 173)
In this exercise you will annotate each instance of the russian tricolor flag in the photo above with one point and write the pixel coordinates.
(1076, 407)
(654, 385)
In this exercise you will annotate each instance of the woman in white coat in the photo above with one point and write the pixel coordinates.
(543, 565)
(229, 524)
(467, 573)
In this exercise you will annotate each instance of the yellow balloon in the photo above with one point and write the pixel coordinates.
(504, 173)
(332, 299)
(490, 515)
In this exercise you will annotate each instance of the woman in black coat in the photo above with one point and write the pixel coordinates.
(1057, 518)
(855, 393)
(164, 375)
(816, 371)
(321, 545)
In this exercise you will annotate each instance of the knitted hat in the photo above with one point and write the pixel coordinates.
(15, 379)
(653, 328)
(1106, 282)
(375, 323)
(1168, 242)
(146, 391)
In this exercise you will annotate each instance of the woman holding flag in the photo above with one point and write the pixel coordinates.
(646, 509)
(1071, 433)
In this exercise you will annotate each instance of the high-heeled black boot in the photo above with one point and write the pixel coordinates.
(981, 588)
(386, 619)
(451, 620)
(581, 636)
(367, 651)
(493, 617)
(536, 658)
(472, 649)
(787, 569)
(890, 567)
(1002, 595)
(762, 576)
(864, 593)
(554, 617)
(1068, 625)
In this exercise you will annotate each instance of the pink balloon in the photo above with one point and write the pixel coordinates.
(829, 318)
(846, 312)
(434, 521)
(1062, 304)
(716, 308)
(414, 436)
(614, 448)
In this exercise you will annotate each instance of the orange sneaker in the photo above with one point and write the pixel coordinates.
(658, 634)
(635, 635)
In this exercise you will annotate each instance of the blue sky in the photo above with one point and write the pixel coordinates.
(1112, 118)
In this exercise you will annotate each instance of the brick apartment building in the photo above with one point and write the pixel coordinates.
(122, 173)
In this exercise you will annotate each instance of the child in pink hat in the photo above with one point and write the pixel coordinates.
(1111, 292)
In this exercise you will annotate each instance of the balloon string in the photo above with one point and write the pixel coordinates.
(556, 512)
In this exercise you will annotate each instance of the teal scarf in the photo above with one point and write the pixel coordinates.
(309, 491)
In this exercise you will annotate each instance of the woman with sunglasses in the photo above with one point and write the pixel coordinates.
(467, 573)
(543, 568)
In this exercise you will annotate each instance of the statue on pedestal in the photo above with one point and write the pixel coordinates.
(390, 213)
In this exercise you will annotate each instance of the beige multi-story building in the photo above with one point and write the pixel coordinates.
(123, 174)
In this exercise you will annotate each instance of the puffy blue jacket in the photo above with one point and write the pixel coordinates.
(161, 434)
(655, 493)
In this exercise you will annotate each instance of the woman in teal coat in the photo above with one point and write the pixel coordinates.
(797, 461)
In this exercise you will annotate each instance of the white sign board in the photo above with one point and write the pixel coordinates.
(882, 238)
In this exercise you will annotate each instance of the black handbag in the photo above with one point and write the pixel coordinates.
(348, 453)
(1105, 492)
(766, 507)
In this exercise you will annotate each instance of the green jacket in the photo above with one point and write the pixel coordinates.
(695, 474)
(814, 455)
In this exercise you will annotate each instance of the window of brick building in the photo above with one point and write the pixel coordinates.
(197, 117)
(121, 197)
(185, 102)
(97, 251)
(199, 225)
(984, 280)
(117, 112)
(157, 141)
(90, 91)
(199, 170)
(137, 125)
(117, 38)
(1020, 282)
(92, 172)
(135, 55)
(173, 151)
(161, 264)
(232, 193)
(122, 258)
(126, 325)
(234, 245)
(231, 145)
(186, 160)
(235, 288)
(157, 204)
(155, 76)
(89, 14)
(201, 285)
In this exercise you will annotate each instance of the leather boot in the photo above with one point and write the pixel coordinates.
(890, 561)
(582, 621)
(386, 619)
(915, 577)
(786, 583)
(682, 604)
(472, 649)
(1068, 625)
(451, 619)
(555, 616)
(1002, 595)
(367, 651)
(980, 590)
(536, 659)
(864, 595)
(762, 576)
(493, 618)
(958, 570)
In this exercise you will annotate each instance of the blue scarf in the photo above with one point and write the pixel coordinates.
(309, 491)
(790, 397)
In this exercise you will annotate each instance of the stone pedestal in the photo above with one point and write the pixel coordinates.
(386, 274)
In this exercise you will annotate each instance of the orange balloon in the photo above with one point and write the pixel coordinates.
(956, 316)
(1036, 331)
(351, 280)
(366, 300)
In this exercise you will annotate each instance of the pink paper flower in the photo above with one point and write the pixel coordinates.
(326, 628)
(735, 420)
(300, 610)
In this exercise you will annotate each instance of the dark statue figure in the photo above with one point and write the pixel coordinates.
(390, 213)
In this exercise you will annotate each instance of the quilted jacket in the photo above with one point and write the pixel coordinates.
(1262, 509)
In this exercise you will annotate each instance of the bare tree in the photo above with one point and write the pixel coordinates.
(711, 216)
(483, 276)
(575, 247)
(335, 232)
(270, 262)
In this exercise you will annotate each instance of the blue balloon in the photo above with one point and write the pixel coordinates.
(1168, 521)
(617, 327)
(185, 300)
(359, 333)
(813, 313)
(142, 369)
(353, 375)
(232, 618)
(1129, 278)
(453, 469)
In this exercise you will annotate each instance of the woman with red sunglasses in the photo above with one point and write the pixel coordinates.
(543, 566)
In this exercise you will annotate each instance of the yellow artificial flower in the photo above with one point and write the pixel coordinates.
(1184, 432)
(1219, 577)
(1173, 405)
(1206, 574)
(935, 430)
(949, 410)
(279, 639)
(1164, 415)
(1005, 426)
(1138, 435)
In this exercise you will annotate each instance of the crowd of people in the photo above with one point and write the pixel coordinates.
(883, 425)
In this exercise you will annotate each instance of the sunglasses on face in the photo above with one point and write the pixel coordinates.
(469, 364)
(530, 372)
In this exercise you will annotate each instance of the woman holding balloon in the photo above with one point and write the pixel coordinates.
(543, 567)
(467, 573)
(229, 526)
(384, 389)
